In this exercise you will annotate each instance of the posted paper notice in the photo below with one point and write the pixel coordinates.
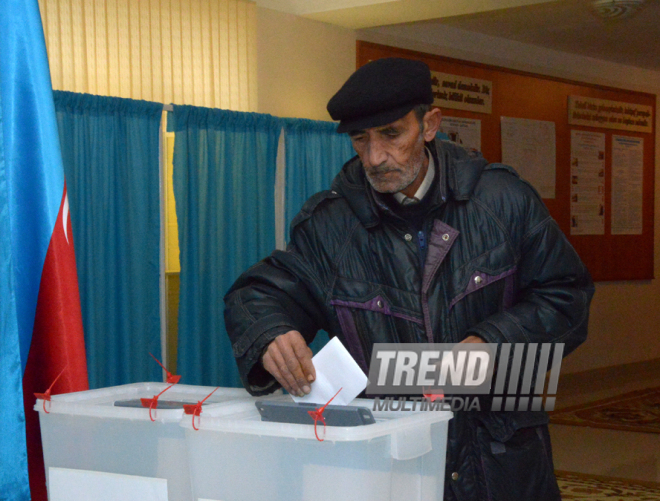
(627, 174)
(529, 146)
(587, 183)
(463, 131)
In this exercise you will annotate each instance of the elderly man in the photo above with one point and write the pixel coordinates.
(418, 240)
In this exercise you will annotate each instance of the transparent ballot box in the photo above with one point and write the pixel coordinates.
(235, 456)
(104, 444)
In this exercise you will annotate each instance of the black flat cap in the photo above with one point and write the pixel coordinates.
(381, 92)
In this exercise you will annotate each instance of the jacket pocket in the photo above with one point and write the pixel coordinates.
(485, 292)
(364, 323)
(519, 468)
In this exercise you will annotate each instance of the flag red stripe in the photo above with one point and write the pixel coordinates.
(57, 341)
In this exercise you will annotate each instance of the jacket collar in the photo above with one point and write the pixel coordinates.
(458, 169)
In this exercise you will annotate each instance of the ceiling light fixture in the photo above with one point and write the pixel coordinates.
(616, 9)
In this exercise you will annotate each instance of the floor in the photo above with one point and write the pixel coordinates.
(596, 451)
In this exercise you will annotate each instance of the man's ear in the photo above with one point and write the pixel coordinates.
(431, 122)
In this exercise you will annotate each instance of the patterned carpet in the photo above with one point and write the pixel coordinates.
(636, 411)
(579, 486)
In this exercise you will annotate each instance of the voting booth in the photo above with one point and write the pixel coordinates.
(106, 445)
(234, 456)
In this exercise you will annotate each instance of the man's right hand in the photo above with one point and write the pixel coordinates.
(289, 360)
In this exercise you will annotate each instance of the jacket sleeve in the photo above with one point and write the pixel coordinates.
(554, 286)
(283, 292)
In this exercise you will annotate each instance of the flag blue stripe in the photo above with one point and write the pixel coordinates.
(32, 154)
(13, 453)
(31, 186)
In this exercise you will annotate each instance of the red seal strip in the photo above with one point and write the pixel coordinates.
(46, 396)
(152, 402)
(171, 378)
(317, 415)
(434, 396)
(196, 409)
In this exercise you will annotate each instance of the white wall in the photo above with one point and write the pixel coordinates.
(301, 64)
(625, 316)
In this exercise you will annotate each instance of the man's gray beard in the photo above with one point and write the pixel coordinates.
(411, 181)
(397, 190)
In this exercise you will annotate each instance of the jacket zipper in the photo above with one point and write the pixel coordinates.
(422, 240)
(421, 243)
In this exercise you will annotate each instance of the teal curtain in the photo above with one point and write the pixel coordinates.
(315, 153)
(110, 150)
(224, 178)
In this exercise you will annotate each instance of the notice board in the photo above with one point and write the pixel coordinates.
(620, 122)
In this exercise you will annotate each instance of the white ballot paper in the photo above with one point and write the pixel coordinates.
(335, 368)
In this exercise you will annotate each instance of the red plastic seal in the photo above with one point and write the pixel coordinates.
(196, 409)
(152, 403)
(46, 396)
(317, 415)
(171, 378)
(434, 396)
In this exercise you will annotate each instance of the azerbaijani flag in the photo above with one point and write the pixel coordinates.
(41, 330)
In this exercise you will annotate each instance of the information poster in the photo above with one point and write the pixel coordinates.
(463, 131)
(529, 147)
(610, 114)
(627, 168)
(587, 183)
(461, 93)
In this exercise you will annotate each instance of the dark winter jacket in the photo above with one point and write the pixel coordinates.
(496, 265)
